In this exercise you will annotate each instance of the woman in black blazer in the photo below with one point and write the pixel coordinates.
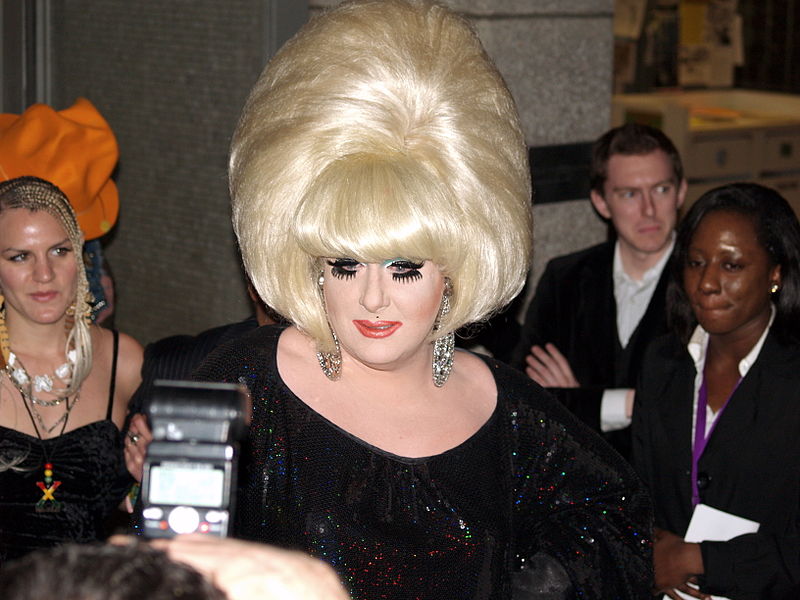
(717, 412)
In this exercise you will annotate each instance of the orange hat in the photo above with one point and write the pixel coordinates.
(73, 148)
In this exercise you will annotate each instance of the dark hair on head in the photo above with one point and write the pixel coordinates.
(631, 139)
(103, 572)
(777, 231)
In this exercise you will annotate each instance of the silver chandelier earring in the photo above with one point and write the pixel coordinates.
(444, 346)
(330, 362)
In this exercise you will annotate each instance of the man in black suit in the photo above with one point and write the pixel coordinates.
(595, 310)
(176, 357)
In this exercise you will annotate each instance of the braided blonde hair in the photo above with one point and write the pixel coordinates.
(35, 194)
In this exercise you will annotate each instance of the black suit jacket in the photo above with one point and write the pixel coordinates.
(177, 356)
(574, 308)
(750, 467)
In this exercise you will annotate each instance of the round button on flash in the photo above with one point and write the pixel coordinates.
(183, 519)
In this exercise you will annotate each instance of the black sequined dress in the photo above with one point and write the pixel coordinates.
(532, 482)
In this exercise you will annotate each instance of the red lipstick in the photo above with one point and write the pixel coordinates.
(376, 329)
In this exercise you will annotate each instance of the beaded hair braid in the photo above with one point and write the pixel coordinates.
(35, 194)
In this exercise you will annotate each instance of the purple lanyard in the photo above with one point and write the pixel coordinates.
(700, 437)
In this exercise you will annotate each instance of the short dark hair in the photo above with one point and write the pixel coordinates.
(103, 572)
(631, 139)
(777, 231)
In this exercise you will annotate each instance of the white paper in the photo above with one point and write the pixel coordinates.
(713, 525)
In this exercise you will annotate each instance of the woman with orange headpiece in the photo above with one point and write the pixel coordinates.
(65, 383)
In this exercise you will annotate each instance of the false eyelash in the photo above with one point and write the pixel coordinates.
(407, 277)
(343, 268)
(412, 271)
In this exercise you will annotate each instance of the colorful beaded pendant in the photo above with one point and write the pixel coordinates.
(48, 503)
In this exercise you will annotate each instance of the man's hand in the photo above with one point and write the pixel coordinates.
(137, 439)
(548, 367)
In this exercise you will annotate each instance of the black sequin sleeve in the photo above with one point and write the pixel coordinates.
(575, 499)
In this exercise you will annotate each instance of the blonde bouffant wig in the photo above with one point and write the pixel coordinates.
(382, 130)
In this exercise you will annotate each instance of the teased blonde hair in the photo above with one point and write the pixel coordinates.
(382, 130)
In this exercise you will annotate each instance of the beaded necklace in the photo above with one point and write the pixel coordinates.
(25, 385)
(41, 383)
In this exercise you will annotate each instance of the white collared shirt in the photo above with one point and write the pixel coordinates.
(632, 298)
(697, 346)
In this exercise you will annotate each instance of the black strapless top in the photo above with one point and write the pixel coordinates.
(89, 463)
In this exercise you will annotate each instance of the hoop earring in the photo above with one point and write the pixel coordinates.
(444, 346)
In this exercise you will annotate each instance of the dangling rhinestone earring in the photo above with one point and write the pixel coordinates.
(330, 362)
(774, 289)
(444, 346)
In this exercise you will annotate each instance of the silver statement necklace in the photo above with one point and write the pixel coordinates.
(29, 385)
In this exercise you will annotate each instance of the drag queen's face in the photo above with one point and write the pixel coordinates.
(383, 313)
